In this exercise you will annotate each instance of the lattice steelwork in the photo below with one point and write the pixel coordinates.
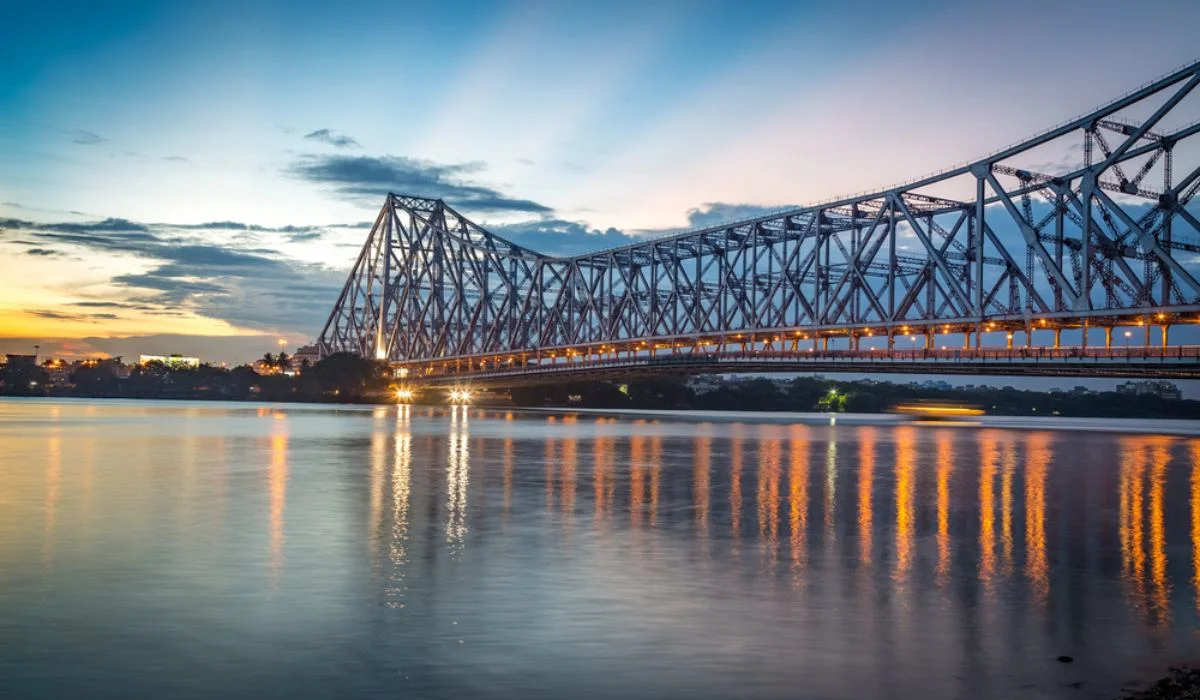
(1089, 223)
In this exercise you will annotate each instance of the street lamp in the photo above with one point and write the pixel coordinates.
(1128, 335)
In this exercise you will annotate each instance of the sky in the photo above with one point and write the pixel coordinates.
(197, 177)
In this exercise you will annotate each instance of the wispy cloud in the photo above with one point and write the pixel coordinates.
(332, 138)
(86, 138)
(366, 176)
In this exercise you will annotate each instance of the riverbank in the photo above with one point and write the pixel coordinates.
(351, 379)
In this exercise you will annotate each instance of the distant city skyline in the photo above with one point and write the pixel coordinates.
(196, 178)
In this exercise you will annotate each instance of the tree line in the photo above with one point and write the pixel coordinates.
(342, 377)
(348, 378)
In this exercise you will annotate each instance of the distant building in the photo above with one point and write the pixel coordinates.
(305, 352)
(58, 370)
(20, 360)
(1151, 387)
(705, 383)
(172, 361)
(116, 365)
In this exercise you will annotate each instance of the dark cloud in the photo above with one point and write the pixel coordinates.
(304, 236)
(290, 233)
(44, 252)
(561, 238)
(105, 226)
(60, 316)
(251, 287)
(366, 176)
(717, 213)
(332, 138)
(86, 138)
(123, 235)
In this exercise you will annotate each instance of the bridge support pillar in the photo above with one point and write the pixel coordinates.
(891, 341)
(1165, 330)
(824, 343)
(929, 340)
(1108, 338)
(1057, 338)
(1147, 327)
(1083, 336)
(1028, 336)
(854, 342)
(1009, 338)
(966, 340)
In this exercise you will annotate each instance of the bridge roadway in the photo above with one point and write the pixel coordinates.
(1176, 362)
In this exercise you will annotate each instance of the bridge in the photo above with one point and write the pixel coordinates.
(1075, 252)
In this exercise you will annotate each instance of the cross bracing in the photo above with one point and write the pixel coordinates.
(1093, 222)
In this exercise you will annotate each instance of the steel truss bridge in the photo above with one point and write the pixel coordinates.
(1088, 229)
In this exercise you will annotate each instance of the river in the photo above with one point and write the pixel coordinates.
(215, 550)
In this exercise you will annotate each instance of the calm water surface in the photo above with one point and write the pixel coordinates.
(239, 551)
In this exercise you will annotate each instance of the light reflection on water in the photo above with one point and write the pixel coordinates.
(219, 550)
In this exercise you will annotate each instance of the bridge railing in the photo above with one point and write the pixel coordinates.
(1182, 354)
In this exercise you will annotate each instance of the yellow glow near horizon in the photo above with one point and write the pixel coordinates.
(41, 299)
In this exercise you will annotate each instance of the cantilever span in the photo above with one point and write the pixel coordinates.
(1090, 225)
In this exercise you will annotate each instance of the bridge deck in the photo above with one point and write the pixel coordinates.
(1180, 362)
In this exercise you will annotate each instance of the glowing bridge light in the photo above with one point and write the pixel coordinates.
(404, 395)
(462, 395)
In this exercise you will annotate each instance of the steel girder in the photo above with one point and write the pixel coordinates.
(997, 240)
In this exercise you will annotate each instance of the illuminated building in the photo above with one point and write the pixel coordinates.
(172, 361)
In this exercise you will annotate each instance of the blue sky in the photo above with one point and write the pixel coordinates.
(571, 123)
